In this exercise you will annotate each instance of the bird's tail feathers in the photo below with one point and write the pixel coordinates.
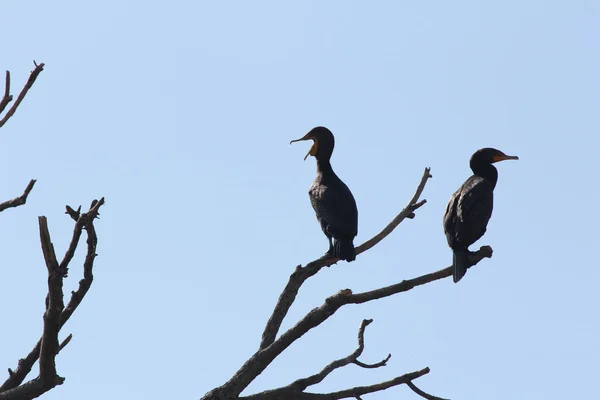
(460, 263)
(344, 249)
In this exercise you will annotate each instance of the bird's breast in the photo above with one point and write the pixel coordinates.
(317, 189)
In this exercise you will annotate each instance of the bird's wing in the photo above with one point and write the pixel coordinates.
(450, 217)
(473, 210)
(337, 207)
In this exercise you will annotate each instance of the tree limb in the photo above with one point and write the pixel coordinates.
(362, 390)
(301, 274)
(65, 342)
(18, 201)
(262, 358)
(354, 392)
(49, 345)
(421, 393)
(8, 97)
(56, 314)
(296, 389)
(302, 384)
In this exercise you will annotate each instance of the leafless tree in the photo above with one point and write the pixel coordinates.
(271, 346)
(56, 314)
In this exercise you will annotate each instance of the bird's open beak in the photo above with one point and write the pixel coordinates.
(504, 157)
(313, 149)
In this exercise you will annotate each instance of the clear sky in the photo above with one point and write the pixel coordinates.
(180, 114)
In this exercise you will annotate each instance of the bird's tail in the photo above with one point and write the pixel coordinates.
(460, 263)
(344, 249)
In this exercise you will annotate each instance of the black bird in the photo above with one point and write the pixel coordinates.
(470, 207)
(331, 199)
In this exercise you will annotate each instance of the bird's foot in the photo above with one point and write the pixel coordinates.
(329, 255)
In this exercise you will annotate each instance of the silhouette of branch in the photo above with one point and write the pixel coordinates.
(301, 384)
(65, 342)
(55, 305)
(354, 392)
(263, 358)
(18, 201)
(421, 393)
(56, 314)
(407, 212)
(301, 274)
(296, 390)
(362, 390)
(8, 97)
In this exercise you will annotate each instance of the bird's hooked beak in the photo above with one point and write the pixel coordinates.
(502, 157)
(313, 149)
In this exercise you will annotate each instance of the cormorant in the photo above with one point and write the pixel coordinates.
(331, 199)
(470, 207)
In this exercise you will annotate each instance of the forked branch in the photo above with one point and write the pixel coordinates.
(301, 384)
(7, 98)
(262, 358)
(301, 274)
(296, 390)
(56, 313)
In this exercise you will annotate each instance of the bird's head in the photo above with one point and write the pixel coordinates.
(323, 142)
(489, 155)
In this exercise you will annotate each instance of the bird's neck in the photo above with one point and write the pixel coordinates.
(486, 171)
(324, 166)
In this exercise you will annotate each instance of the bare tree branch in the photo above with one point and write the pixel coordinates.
(355, 392)
(302, 384)
(8, 98)
(296, 389)
(18, 201)
(301, 274)
(406, 285)
(262, 358)
(421, 393)
(376, 365)
(362, 390)
(65, 342)
(49, 345)
(412, 206)
(56, 314)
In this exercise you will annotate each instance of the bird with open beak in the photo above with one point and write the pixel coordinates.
(331, 199)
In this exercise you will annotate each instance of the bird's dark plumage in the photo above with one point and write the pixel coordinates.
(470, 207)
(331, 199)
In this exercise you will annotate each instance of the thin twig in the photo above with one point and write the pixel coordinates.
(301, 274)
(65, 342)
(423, 394)
(32, 77)
(412, 206)
(7, 98)
(18, 201)
(302, 384)
(381, 363)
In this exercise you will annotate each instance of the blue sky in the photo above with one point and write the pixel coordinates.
(180, 114)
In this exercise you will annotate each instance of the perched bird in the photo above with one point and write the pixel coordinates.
(470, 207)
(331, 199)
